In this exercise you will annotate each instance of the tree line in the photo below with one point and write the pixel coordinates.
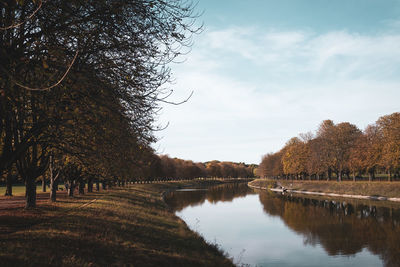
(340, 151)
(173, 168)
(80, 85)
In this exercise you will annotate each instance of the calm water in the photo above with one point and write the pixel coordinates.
(268, 229)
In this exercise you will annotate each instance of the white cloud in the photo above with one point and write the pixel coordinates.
(306, 51)
(298, 80)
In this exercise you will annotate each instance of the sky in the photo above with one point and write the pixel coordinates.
(264, 71)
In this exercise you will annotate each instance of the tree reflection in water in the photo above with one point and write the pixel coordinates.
(341, 227)
(178, 200)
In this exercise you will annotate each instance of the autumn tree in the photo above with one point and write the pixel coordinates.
(66, 65)
(358, 156)
(213, 169)
(373, 150)
(271, 165)
(295, 158)
(317, 164)
(389, 126)
(339, 148)
(346, 135)
(326, 136)
(366, 153)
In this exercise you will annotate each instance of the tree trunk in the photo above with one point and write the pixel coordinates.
(103, 185)
(90, 185)
(81, 187)
(53, 189)
(30, 193)
(9, 182)
(70, 192)
(371, 175)
(44, 183)
(97, 185)
(354, 176)
(70, 189)
(329, 174)
(53, 180)
(389, 176)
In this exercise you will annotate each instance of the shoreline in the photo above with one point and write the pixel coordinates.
(323, 191)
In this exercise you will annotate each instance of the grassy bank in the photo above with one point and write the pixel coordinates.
(19, 189)
(121, 227)
(384, 189)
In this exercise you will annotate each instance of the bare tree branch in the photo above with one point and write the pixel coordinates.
(176, 103)
(54, 85)
(16, 25)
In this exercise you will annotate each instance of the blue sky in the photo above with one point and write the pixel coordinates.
(265, 71)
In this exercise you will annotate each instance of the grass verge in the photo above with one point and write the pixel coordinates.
(122, 227)
(19, 190)
(384, 189)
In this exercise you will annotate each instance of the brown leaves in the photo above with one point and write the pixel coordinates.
(341, 148)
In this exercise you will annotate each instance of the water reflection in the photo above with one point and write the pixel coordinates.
(182, 198)
(341, 227)
(284, 230)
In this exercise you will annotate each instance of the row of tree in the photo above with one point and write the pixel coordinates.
(174, 168)
(80, 85)
(340, 149)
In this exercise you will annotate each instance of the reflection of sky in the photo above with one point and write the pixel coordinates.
(243, 229)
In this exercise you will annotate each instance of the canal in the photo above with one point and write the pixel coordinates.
(260, 228)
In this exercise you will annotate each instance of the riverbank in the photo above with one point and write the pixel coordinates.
(389, 191)
(124, 226)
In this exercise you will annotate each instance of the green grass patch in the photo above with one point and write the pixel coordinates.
(18, 190)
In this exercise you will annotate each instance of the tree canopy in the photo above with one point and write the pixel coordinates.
(83, 81)
(340, 149)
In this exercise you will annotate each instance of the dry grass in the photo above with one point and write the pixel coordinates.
(385, 189)
(123, 227)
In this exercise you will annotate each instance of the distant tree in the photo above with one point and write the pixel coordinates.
(346, 136)
(373, 149)
(325, 133)
(389, 126)
(317, 163)
(213, 169)
(168, 167)
(71, 174)
(365, 155)
(358, 157)
(339, 148)
(295, 158)
(271, 165)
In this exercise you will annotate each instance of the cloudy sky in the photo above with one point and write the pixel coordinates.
(264, 71)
